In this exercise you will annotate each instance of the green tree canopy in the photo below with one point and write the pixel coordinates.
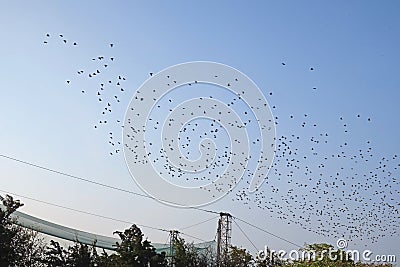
(18, 246)
(133, 251)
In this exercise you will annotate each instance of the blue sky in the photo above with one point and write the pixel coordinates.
(352, 46)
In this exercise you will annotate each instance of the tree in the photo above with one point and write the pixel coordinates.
(29, 246)
(133, 251)
(185, 254)
(81, 255)
(55, 255)
(207, 257)
(106, 260)
(239, 257)
(78, 255)
(24, 247)
(18, 246)
(8, 232)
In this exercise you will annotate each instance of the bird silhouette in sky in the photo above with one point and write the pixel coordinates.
(329, 181)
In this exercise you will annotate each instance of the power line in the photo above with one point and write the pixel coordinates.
(98, 183)
(265, 231)
(256, 249)
(193, 225)
(193, 237)
(84, 212)
(73, 176)
(129, 192)
(97, 215)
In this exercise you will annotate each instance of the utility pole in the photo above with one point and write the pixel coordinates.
(224, 233)
(173, 237)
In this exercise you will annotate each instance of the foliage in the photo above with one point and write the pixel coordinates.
(133, 251)
(77, 255)
(24, 247)
(18, 246)
(55, 255)
(81, 255)
(239, 257)
(187, 255)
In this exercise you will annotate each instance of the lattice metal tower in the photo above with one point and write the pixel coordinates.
(173, 237)
(224, 232)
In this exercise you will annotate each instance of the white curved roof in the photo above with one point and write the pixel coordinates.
(87, 238)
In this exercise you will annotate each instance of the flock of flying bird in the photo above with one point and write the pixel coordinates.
(333, 184)
(333, 188)
(107, 90)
